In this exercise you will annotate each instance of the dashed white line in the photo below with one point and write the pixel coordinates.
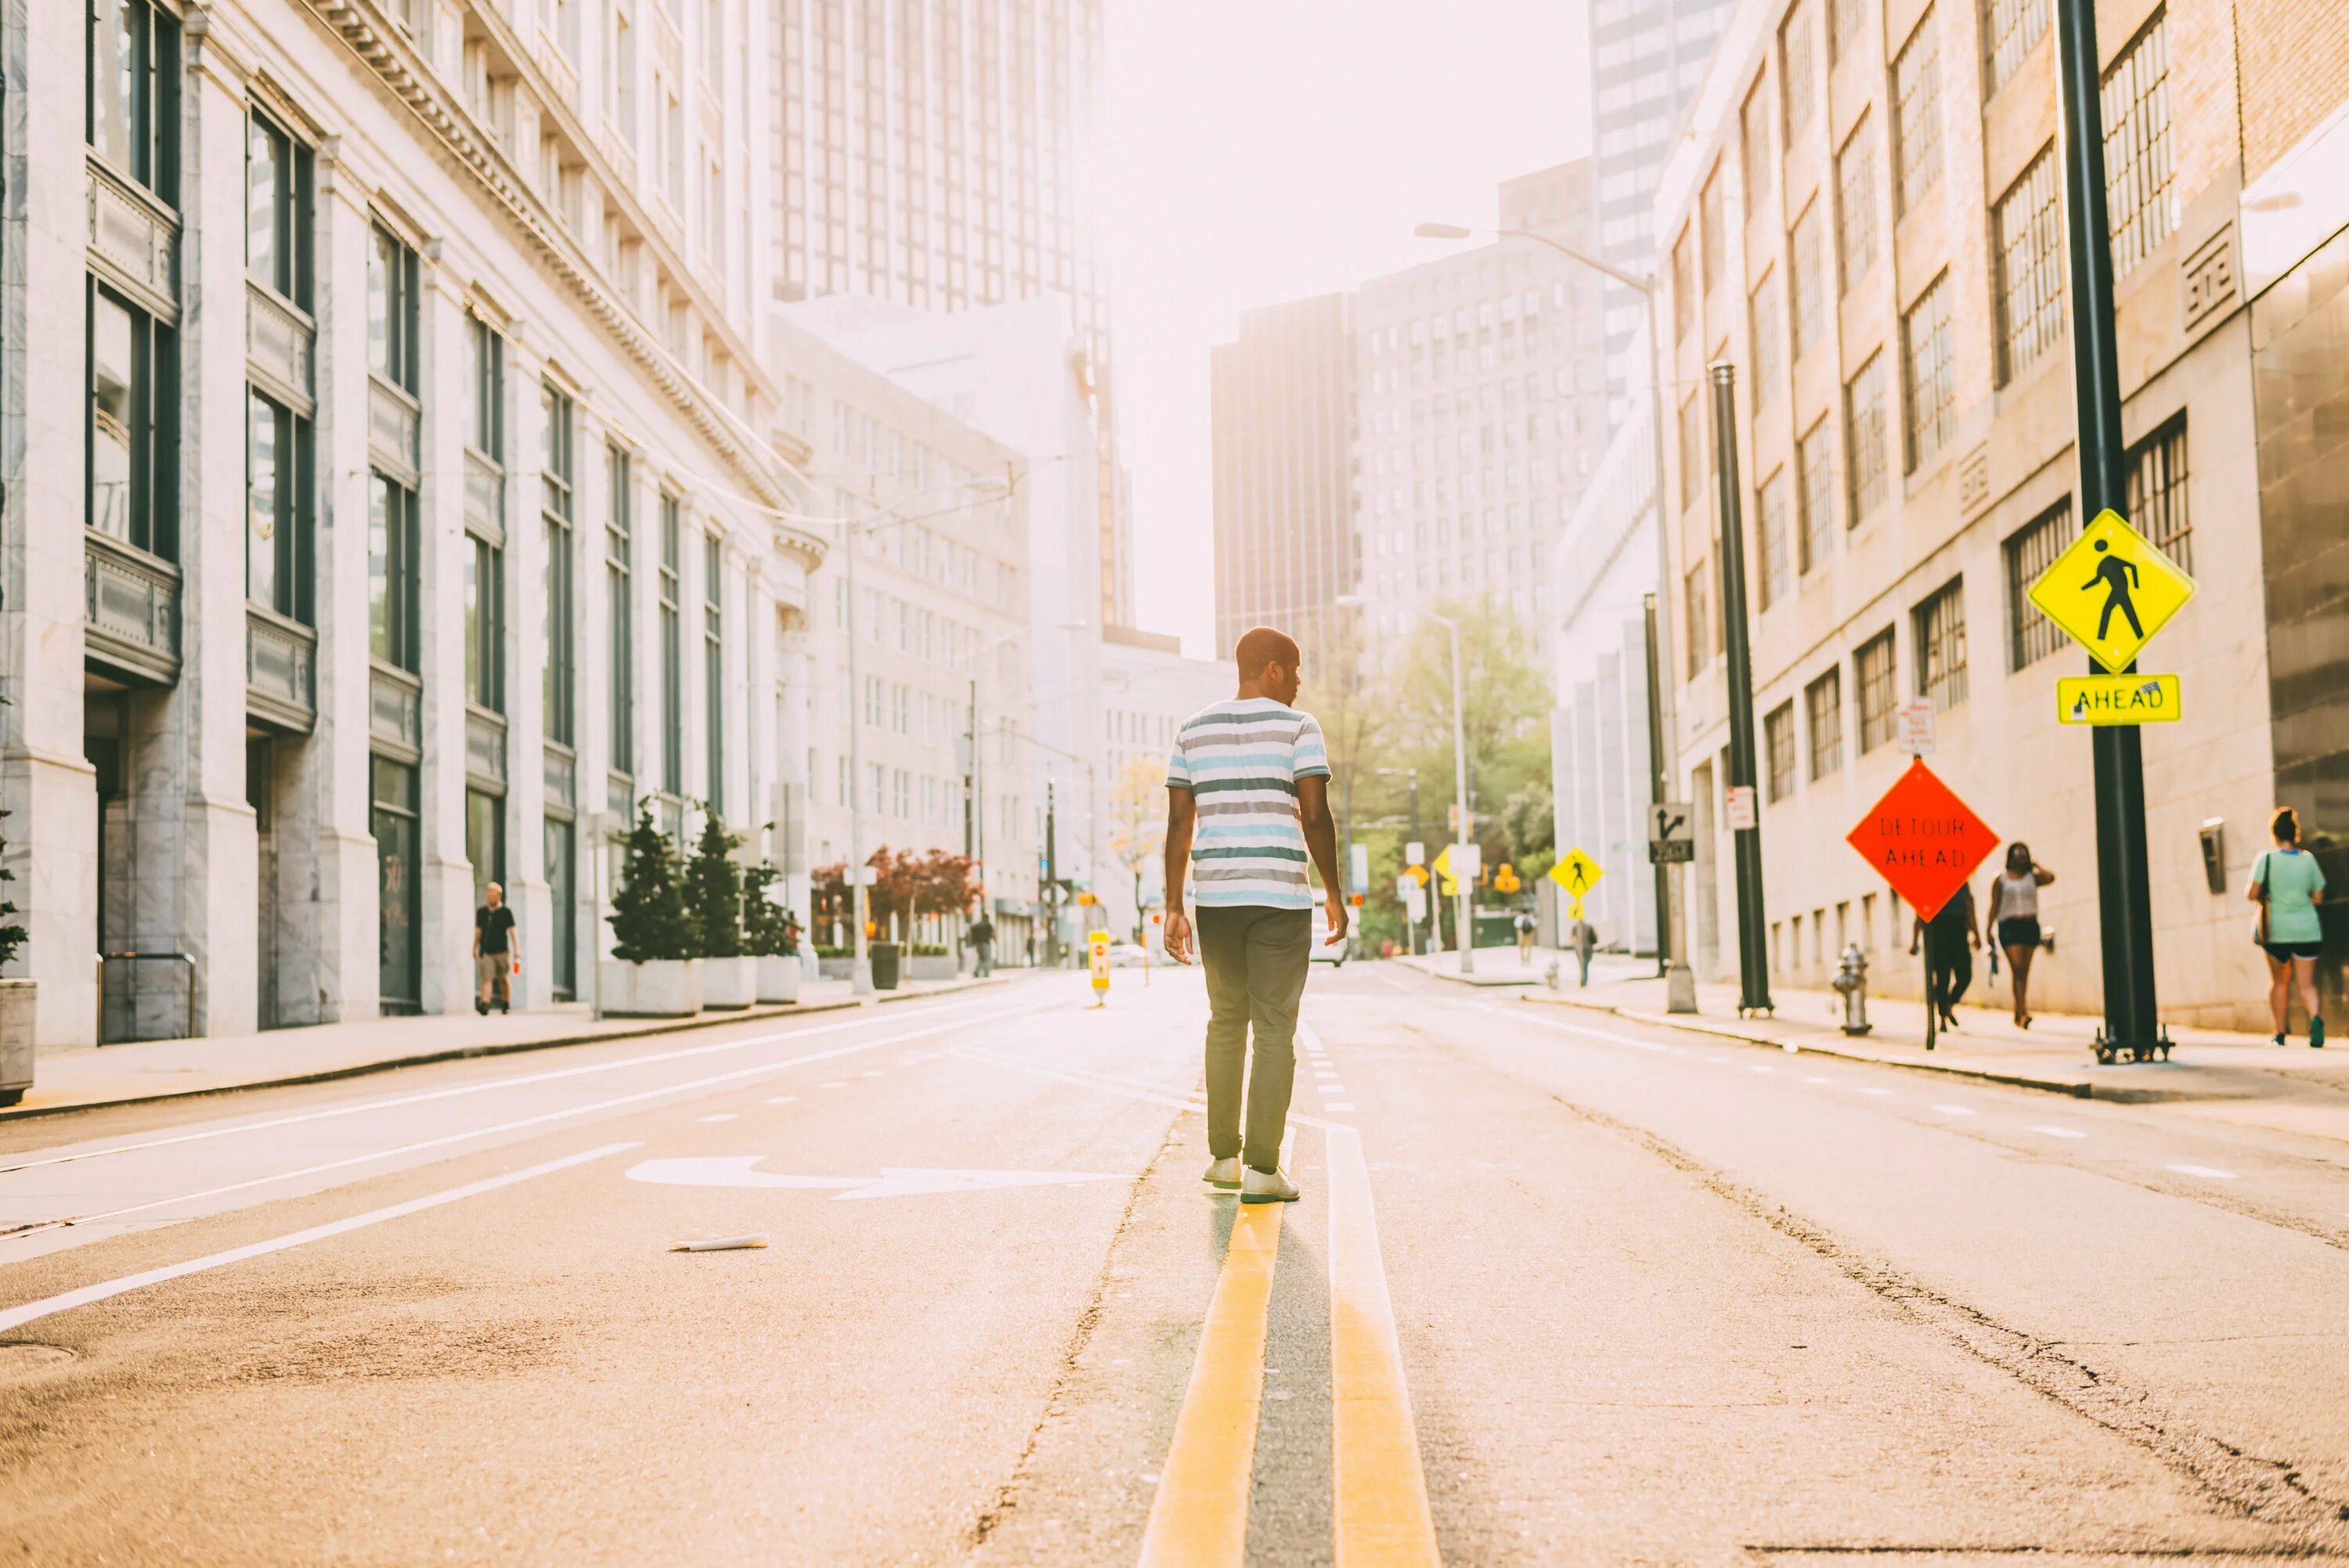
(782, 1099)
(721, 1116)
(1879, 1093)
(834, 1083)
(2209, 1172)
(2060, 1132)
(1953, 1111)
(870, 1072)
(1339, 1106)
(1815, 1077)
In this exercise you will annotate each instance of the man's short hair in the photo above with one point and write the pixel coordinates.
(1262, 646)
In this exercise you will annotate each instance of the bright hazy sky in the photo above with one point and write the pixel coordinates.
(1259, 151)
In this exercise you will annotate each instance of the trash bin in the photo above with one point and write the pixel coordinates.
(884, 965)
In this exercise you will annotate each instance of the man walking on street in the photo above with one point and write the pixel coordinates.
(493, 958)
(1949, 967)
(1249, 782)
(982, 943)
(1580, 939)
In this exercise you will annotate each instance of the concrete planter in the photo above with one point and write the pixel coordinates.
(663, 988)
(730, 982)
(779, 977)
(930, 966)
(15, 1039)
(836, 968)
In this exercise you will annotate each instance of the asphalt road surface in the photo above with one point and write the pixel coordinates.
(1561, 1289)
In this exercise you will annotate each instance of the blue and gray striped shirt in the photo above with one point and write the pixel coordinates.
(1241, 761)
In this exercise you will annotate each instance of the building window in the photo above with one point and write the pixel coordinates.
(713, 668)
(1878, 691)
(1930, 380)
(2030, 230)
(1823, 706)
(2157, 492)
(277, 477)
(2137, 146)
(391, 310)
(134, 95)
(1700, 619)
(278, 184)
(391, 571)
(1767, 321)
(485, 352)
(624, 77)
(1770, 525)
(1864, 439)
(1684, 300)
(1691, 450)
(1855, 183)
(1809, 282)
(1917, 113)
(1847, 25)
(619, 577)
(558, 482)
(2010, 28)
(1713, 214)
(672, 649)
(485, 567)
(1940, 640)
(132, 482)
(2030, 550)
(485, 579)
(1754, 147)
(1798, 68)
(1814, 495)
(1778, 743)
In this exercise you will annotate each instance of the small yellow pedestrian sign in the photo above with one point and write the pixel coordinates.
(2117, 699)
(1097, 956)
(1577, 872)
(2111, 590)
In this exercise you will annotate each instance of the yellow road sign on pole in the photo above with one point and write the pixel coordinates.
(1097, 954)
(2117, 699)
(2111, 590)
(1577, 872)
(1442, 863)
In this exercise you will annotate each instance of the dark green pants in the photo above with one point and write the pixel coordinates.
(1255, 959)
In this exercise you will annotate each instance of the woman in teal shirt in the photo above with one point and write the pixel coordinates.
(2287, 881)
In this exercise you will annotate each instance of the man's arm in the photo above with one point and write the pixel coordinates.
(1321, 843)
(1182, 816)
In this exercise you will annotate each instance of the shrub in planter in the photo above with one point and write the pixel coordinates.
(15, 1006)
(654, 971)
(767, 934)
(713, 900)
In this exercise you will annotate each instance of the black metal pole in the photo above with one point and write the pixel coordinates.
(1753, 947)
(2123, 886)
(1657, 674)
(1051, 877)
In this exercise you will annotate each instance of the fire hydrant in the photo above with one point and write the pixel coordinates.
(1851, 979)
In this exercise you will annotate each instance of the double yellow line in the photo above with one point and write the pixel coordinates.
(1379, 1512)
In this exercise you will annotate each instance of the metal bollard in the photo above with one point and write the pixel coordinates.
(1851, 979)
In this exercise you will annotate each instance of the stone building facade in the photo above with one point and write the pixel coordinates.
(396, 491)
(1866, 220)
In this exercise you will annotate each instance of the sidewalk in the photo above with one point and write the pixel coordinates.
(1499, 966)
(82, 1077)
(2230, 1076)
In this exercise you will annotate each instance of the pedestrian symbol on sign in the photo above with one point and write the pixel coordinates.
(2118, 576)
(2111, 590)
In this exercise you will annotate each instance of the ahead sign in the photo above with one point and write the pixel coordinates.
(1922, 839)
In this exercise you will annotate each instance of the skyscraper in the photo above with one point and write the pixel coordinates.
(1646, 60)
(1284, 397)
(929, 152)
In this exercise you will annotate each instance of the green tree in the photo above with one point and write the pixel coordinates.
(1506, 711)
(1530, 820)
(649, 916)
(1137, 818)
(762, 917)
(713, 891)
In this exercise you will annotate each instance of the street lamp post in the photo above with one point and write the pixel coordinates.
(1462, 918)
(1680, 982)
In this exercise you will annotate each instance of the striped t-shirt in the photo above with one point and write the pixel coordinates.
(1241, 761)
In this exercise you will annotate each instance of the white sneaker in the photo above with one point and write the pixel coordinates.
(1267, 1187)
(1224, 1175)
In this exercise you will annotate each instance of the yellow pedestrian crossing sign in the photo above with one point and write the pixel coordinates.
(1577, 872)
(2111, 590)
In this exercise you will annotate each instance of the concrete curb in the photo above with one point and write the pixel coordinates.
(2075, 1088)
(704, 1020)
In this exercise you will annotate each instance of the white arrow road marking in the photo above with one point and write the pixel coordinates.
(895, 1181)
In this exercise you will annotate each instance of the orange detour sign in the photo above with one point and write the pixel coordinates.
(1922, 839)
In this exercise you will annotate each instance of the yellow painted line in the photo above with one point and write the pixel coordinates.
(1380, 1512)
(1199, 1518)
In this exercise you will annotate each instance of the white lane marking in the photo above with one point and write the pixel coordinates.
(834, 1083)
(721, 1116)
(739, 1074)
(871, 1072)
(2059, 1132)
(895, 1181)
(17, 1316)
(782, 1099)
(388, 1102)
(2209, 1172)
(1338, 1104)
(1815, 1077)
(1953, 1111)
(1761, 1069)
(1879, 1093)
(1582, 1029)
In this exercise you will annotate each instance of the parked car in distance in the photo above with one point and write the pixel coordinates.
(1322, 951)
(1127, 955)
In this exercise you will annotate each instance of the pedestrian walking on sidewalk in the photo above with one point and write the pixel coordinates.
(1526, 930)
(1581, 938)
(496, 957)
(2013, 923)
(2287, 885)
(1949, 966)
(982, 943)
(1247, 797)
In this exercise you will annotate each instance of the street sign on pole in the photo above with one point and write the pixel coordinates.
(1912, 726)
(1577, 872)
(2111, 591)
(1414, 853)
(1922, 839)
(1672, 835)
(2117, 699)
(1741, 811)
(1357, 869)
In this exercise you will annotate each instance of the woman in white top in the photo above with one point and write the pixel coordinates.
(2014, 920)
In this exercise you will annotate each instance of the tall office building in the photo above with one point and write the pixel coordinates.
(930, 152)
(1647, 59)
(1284, 397)
(1482, 413)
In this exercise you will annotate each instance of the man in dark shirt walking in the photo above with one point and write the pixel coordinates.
(496, 958)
